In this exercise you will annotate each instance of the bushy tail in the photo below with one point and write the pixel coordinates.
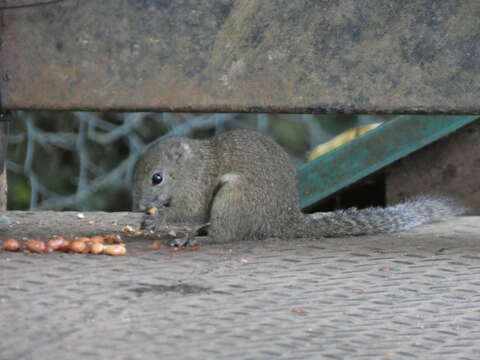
(352, 222)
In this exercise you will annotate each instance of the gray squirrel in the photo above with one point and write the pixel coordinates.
(243, 184)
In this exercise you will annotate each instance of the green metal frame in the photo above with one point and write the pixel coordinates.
(371, 152)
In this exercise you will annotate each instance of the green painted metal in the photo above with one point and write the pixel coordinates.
(371, 152)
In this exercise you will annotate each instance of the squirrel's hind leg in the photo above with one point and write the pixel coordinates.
(231, 215)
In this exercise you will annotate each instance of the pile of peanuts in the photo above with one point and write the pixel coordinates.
(110, 245)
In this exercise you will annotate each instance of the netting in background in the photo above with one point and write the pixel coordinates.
(84, 161)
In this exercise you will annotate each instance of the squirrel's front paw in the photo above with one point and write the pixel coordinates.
(189, 241)
(151, 222)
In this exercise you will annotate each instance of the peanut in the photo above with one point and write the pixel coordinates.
(78, 246)
(97, 248)
(55, 243)
(11, 245)
(128, 228)
(97, 239)
(152, 211)
(115, 250)
(113, 239)
(36, 246)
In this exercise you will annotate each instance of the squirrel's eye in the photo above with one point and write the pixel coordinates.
(157, 178)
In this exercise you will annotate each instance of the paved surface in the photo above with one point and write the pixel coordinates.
(402, 296)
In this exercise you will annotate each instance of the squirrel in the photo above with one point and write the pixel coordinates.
(243, 184)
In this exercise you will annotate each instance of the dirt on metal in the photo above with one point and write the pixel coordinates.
(243, 56)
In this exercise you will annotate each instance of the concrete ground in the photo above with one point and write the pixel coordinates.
(399, 296)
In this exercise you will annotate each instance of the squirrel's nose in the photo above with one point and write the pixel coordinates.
(144, 205)
(148, 203)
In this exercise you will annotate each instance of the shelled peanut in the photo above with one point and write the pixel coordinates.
(11, 245)
(81, 245)
(115, 250)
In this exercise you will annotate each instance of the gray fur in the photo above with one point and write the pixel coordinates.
(374, 220)
(244, 184)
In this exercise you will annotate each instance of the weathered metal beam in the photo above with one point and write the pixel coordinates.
(363, 56)
(371, 152)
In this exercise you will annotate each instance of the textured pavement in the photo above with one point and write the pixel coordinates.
(401, 296)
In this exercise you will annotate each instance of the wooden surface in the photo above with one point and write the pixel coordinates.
(404, 296)
(44, 224)
(368, 56)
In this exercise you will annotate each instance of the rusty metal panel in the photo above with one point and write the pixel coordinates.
(415, 56)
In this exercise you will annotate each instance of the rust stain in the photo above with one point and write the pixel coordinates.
(255, 56)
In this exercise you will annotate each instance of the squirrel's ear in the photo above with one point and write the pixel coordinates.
(179, 151)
